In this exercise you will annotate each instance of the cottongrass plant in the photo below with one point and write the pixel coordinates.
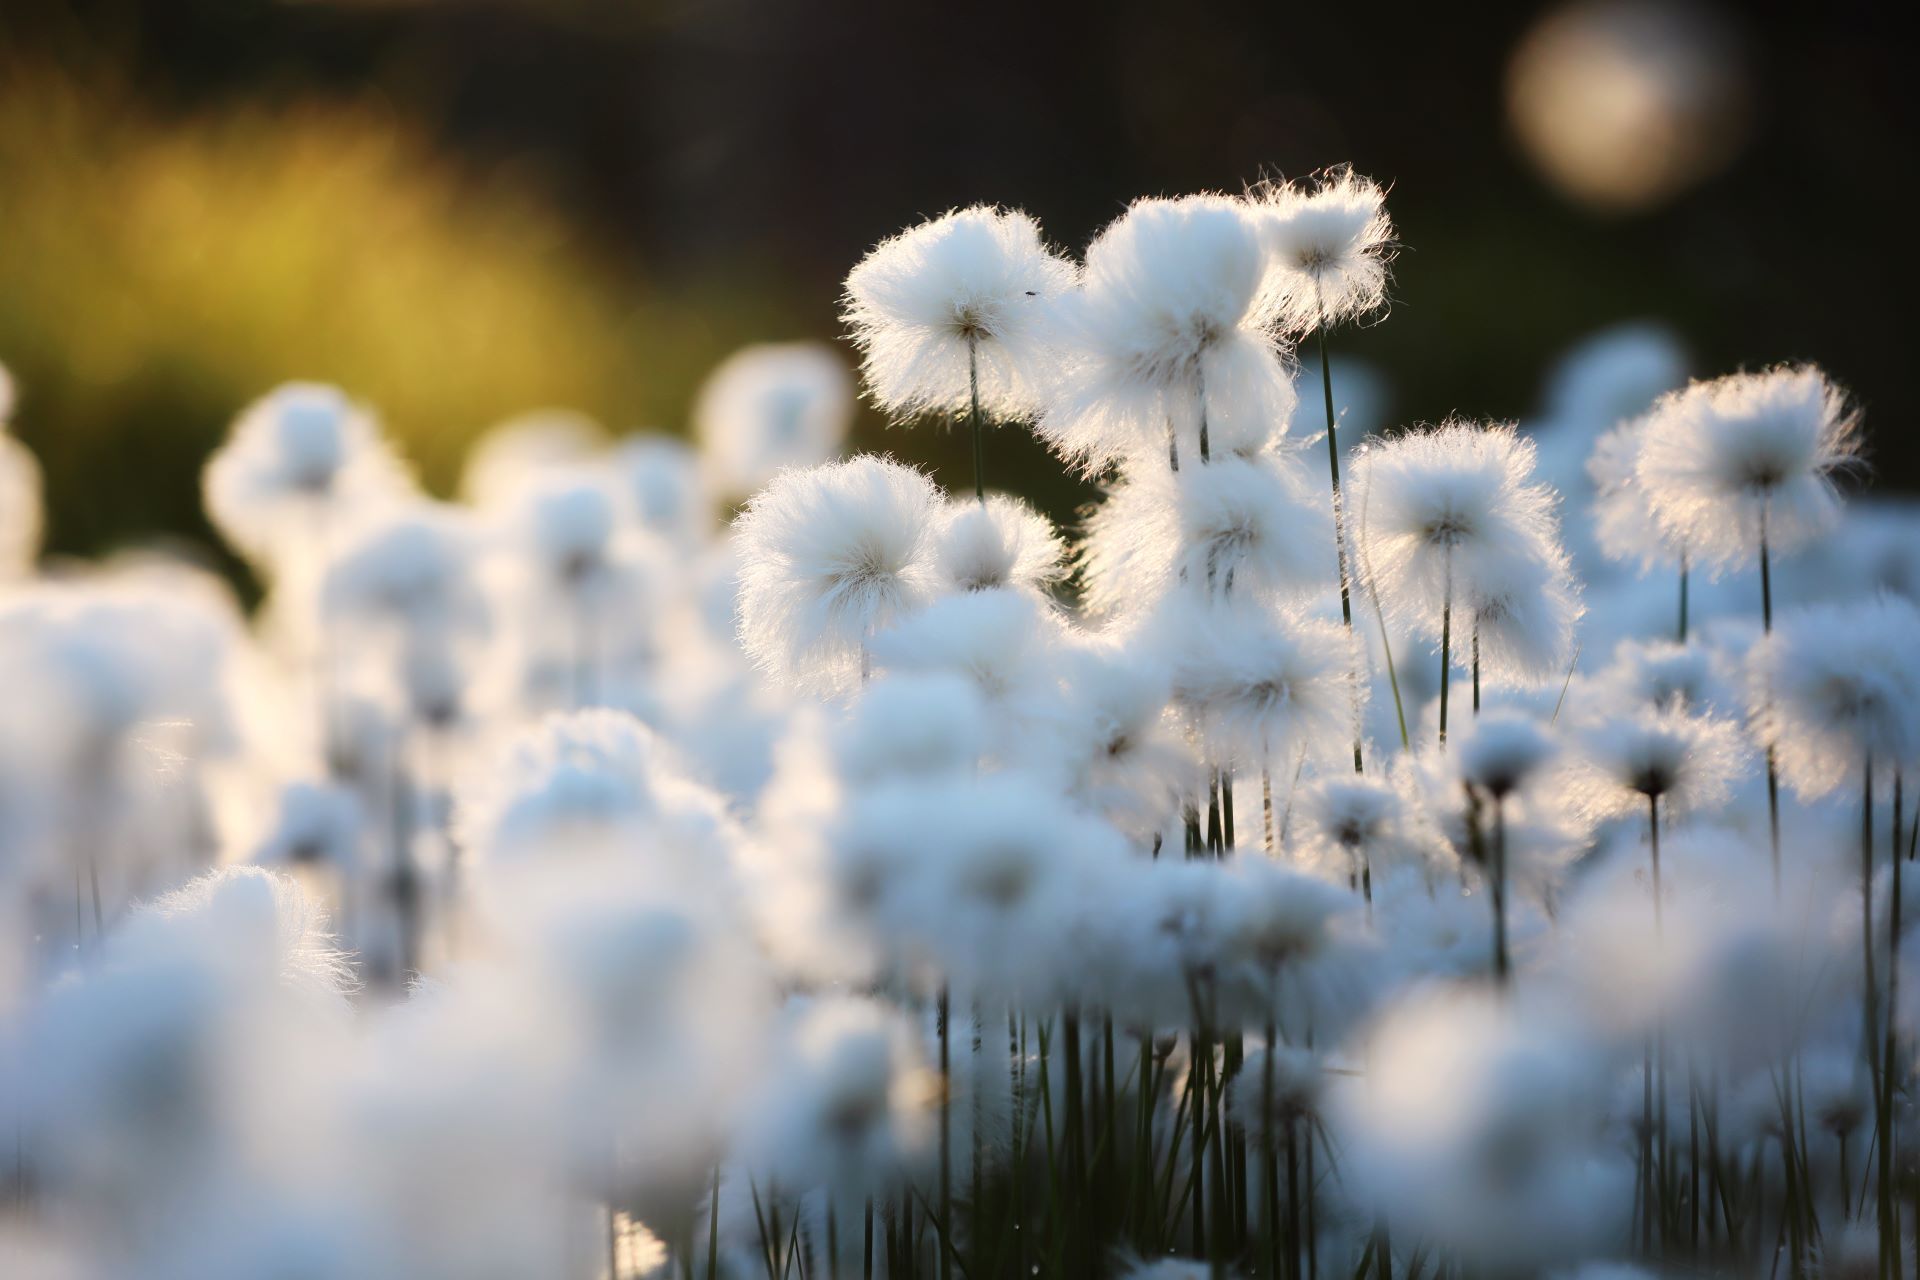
(957, 313)
(728, 858)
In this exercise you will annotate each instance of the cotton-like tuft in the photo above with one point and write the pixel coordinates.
(298, 460)
(828, 556)
(1687, 762)
(1002, 542)
(1722, 457)
(968, 297)
(1624, 523)
(1502, 749)
(1329, 243)
(1001, 640)
(769, 407)
(662, 488)
(575, 782)
(911, 724)
(1164, 337)
(524, 447)
(1365, 820)
(1277, 1090)
(1835, 689)
(1240, 524)
(1450, 517)
(1260, 687)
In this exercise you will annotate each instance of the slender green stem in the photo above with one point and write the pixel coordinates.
(1773, 768)
(1665, 1163)
(1339, 516)
(1476, 664)
(1446, 660)
(1683, 597)
(975, 420)
(713, 1225)
(1502, 969)
(943, 1015)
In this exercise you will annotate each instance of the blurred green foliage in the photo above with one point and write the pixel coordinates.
(157, 272)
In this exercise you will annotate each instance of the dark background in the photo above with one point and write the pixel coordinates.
(463, 210)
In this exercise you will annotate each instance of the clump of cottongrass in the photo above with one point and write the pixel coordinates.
(1329, 243)
(1835, 692)
(1167, 349)
(1664, 759)
(768, 407)
(1660, 673)
(1001, 542)
(297, 461)
(1328, 249)
(663, 489)
(1744, 465)
(848, 1108)
(1241, 523)
(1003, 641)
(1260, 686)
(1364, 822)
(958, 313)
(406, 580)
(1119, 744)
(828, 556)
(1451, 523)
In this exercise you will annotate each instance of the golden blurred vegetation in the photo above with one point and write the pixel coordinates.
(159, 270)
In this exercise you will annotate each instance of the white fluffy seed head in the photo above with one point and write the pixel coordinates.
(1449, 516)
(828, 555)
(1164, 335)
(1259, 687)
(1835, 688)
(1686, 762)
(1525, 629)
(1002, 542)
(1721, 456)
(1366, 820)
(1624, 523)
(1329, 242)
(962, 301)
(1239, 524)
(1276, 1088)
(1660, 673)
(1502, 749)
(298, 459)
(768, 407)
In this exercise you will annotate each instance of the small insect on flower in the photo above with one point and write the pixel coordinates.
(771, 406)
(828, 555)
(1329, 243)
(1167, 352)
(958, 306)
(1749, 457)
(1835, 688)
